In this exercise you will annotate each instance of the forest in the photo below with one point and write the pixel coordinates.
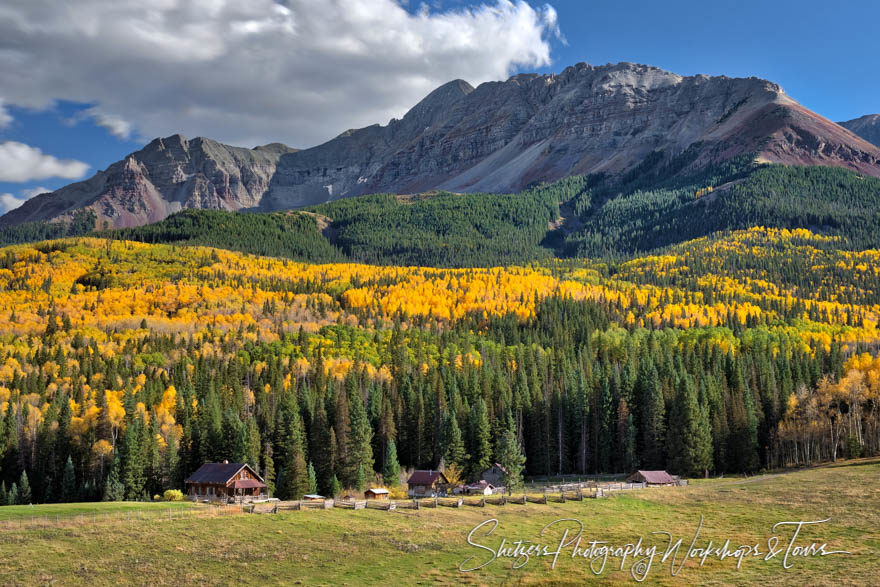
(598, 216)
(126, 365)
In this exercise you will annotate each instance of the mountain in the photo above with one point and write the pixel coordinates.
(867, 127)
(498, 137)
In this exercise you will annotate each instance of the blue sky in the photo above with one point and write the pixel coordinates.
(131, 89)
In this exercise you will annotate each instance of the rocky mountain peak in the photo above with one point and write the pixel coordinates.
(498, 137)
(867, 127)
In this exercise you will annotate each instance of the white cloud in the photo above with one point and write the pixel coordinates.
(35, 191)
(257, 71)
(115, 125)
(20, 162)
(10, 202)
(5, 117)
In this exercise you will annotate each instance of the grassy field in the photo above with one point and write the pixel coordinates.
(427, 546)
(66, 510)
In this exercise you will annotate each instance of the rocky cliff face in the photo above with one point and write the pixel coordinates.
(867, 127)
(501, 136)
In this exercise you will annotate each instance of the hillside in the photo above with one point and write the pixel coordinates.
(499, 137)
(586, 216)
(712, 356)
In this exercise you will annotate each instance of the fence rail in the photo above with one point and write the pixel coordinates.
(542, 495)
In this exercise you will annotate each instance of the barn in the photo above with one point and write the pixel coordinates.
(494, 474)
(225, 480)
(376, 493)
(651, 478)
(427, 484)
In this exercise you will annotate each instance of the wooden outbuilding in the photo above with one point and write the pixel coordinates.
(313, 497)
(225, 480)
(651, 478)
(427, 484)
(376, 493)
(482, 487)
(494, 475)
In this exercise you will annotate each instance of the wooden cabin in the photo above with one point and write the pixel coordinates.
(427, 484)
(225, 480)
(376, 493)
(651, 478)
(494, 475)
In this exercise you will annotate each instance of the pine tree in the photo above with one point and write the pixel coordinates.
(294, 481)
(3, 494)
(313, 480)
(172, 464)
(510, 456)
(114, 489)
(24, 490)
(12, 496)
(360, 451)
(68, 483)
(690, 442)
(481, 451)
(133, 459)
(335, 487)
(268, 468)
(391, 472)
(455, 452)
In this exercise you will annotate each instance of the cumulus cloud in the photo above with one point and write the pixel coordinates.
(115, 125)
(298, 71)
(10, 202)
(20, 162)
(5, 117)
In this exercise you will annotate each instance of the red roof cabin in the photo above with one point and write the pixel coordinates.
(651, 478)
(427, 484)
(225, 480)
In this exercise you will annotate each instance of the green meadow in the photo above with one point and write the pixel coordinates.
(428, 546)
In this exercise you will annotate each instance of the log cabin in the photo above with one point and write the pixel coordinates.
(225, 480)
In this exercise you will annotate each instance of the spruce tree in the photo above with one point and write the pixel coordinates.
(24, 490)
(268, 468)
(335, 487)
(313, 480)
(481, 451)
(12, 496)
(391, 472)
(510, 456)
(360, 451)
(294, 481)
(455, 452)
(68, 483)
(114, 489)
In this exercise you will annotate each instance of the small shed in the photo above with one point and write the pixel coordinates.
(494, 475)
(482, 487)
(225, 480)
(313, 497)
(651, 478)
(376, 493)
(427, 484)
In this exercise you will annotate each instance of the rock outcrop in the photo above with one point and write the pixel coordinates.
(498, 137)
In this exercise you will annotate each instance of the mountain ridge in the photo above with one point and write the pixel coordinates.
(498, 137)
(867, 127)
